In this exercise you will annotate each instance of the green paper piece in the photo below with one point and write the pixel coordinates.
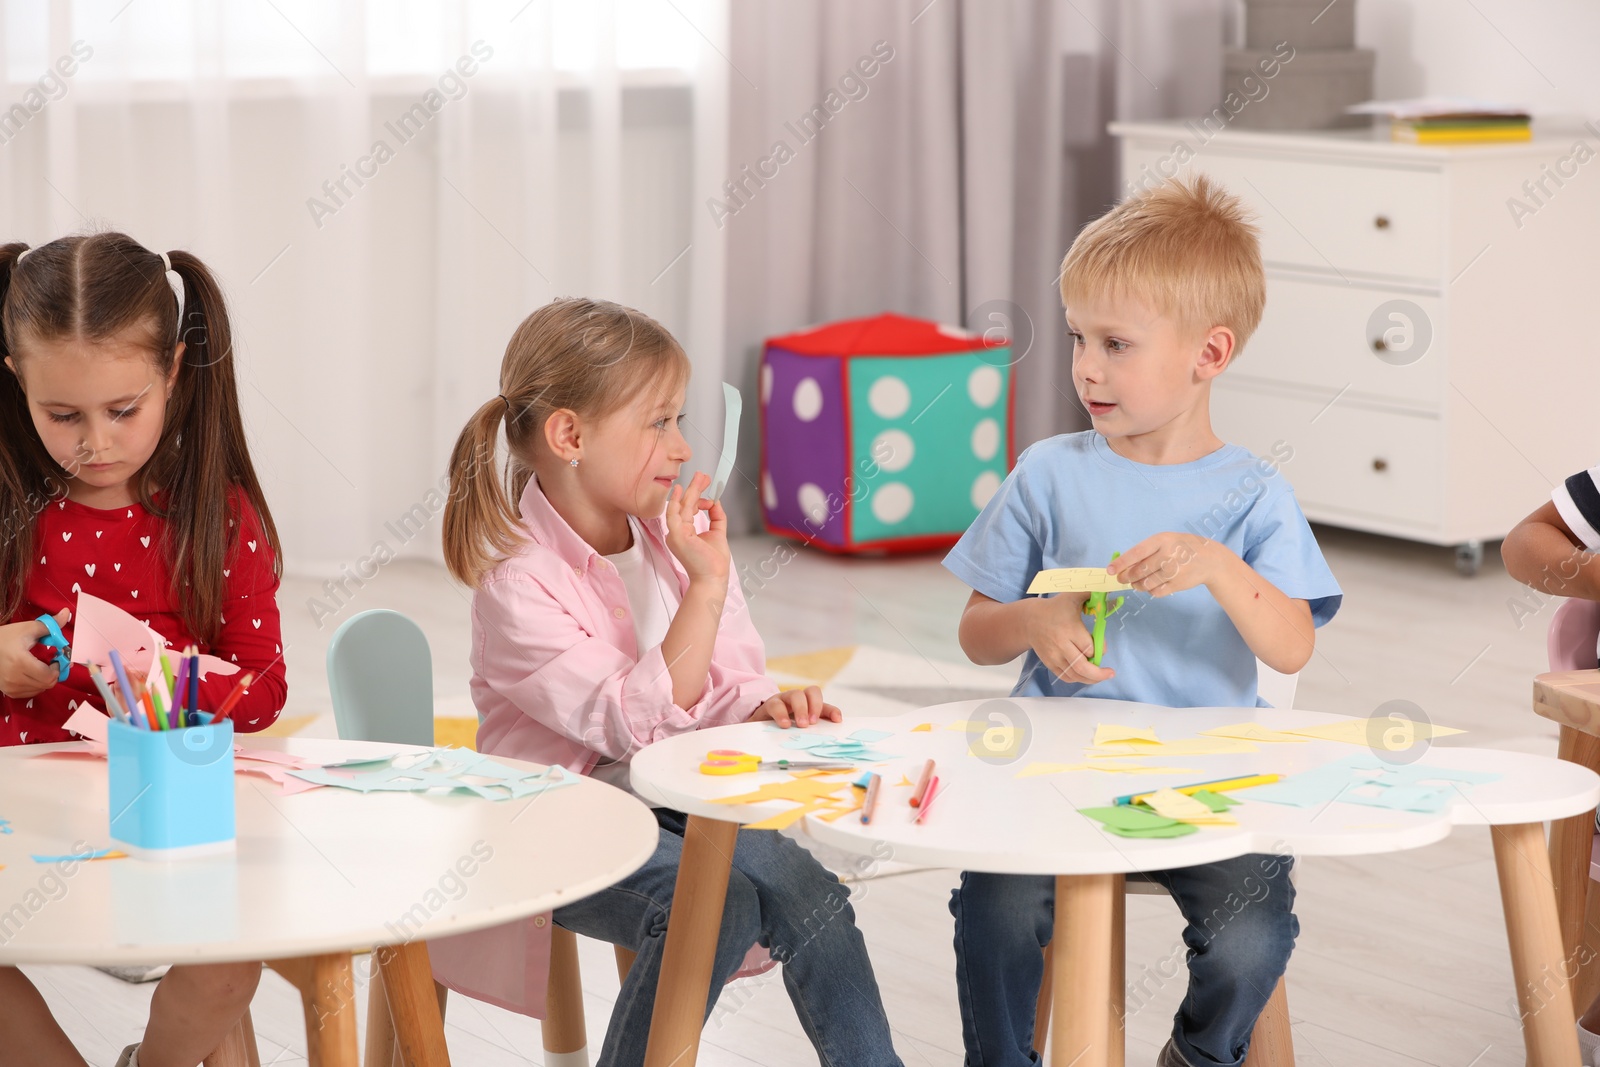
(1181, 829)
(1217, 802)
(1128, 817)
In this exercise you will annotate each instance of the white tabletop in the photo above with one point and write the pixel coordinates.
(321, 871)
(990, 820)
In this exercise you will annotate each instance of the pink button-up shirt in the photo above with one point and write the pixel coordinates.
(558, 678)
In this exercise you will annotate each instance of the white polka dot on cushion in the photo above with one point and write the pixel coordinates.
(889, 397)
(813, 503)
(769, 492)
(807, 399)
(893, 449)
(986, 439)
(766, 383)
(984, 487)
(983, 386)
(891, 503)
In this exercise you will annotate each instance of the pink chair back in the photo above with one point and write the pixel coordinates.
(1573, 633)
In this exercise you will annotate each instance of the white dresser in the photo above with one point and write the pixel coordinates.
(1430, 356)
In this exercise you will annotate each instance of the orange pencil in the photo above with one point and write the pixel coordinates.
(233, 698)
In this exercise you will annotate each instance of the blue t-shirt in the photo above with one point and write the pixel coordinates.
(1072, 502)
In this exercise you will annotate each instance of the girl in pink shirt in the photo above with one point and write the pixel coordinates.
(124, 473)
(603, 619)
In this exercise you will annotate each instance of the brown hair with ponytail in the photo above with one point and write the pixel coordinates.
(93, 287)
(591, 357)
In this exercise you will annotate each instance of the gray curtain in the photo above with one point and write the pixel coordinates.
(945, 185)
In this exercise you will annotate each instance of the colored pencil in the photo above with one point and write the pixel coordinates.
(112, 706)
(871, 802)
(233, 698)
(166, 669)
(194, 680)
(180, 690)
(1216, 785)
(927, 801)
(128, 694)
(922, 783)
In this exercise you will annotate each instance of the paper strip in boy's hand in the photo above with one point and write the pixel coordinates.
(1075, 580)
(99, 626)
(733, 404)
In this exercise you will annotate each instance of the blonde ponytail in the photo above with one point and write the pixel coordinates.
(481, 524)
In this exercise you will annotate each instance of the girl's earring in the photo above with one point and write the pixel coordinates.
(574, 461)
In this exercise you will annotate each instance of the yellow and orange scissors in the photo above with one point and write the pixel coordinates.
(732, 761)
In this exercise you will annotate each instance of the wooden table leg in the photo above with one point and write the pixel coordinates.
(413, 1004)
(328, 997)
(1537, 961)
(691, 947)
(1085, 907)
(379, 1050)
(1570, 842)
(1119, 969)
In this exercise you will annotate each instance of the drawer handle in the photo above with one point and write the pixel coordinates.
(1380, 465)
(1381, 222)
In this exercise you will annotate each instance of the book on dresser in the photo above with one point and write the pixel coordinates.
(1426, 355)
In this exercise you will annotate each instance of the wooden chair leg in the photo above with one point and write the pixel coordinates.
(1570, 843)
(1587, 985)
(238, 1048)
(328, 997)
(1041, 1007)
(418, 1018)
(565, 1041)
(625, 957)
(1272, 1043)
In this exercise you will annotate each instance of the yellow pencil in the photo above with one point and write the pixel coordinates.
(1218, 786)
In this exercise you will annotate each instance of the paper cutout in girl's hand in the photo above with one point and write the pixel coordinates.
(98, 626)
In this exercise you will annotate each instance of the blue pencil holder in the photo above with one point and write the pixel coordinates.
(172, 790)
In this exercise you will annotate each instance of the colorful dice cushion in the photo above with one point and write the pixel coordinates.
(882, 434)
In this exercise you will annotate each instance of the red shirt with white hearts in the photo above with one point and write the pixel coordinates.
(116, 554)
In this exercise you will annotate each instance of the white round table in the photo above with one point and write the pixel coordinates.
(315, 875)
(986, 818)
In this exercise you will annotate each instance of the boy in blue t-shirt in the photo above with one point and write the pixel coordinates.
(1160, 293)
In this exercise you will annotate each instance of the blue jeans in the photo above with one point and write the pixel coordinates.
(1241, 929)
(778, 895)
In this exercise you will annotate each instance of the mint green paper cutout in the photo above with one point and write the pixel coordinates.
(733, 404)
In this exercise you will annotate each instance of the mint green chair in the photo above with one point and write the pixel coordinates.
(380, 674)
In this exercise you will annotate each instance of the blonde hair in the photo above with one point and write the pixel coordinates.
(591, 357)
(1187, 248)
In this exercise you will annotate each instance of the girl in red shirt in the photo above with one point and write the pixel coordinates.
(124, 474)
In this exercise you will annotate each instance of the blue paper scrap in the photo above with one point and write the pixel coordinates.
(439, 769)
(1365, 779)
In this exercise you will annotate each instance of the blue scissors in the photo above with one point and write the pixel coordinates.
(58, 641)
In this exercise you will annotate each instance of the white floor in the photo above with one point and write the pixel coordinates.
(1401, 961)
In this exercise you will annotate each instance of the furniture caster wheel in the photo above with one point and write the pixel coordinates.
(1469, 557)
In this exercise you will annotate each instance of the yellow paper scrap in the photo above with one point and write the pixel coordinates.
(998, 742)
(1391, 735)
(1106, 734)
(783, 820)
(1251, 731)
(1176, 805)
(905, 781)
(1184, 746)
(1075, 580)
(799, 790)
(925, 728)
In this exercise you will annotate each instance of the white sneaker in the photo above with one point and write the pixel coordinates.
(129, 1057)
(1588, 1047)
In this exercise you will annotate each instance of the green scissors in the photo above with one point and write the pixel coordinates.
(1096, 608)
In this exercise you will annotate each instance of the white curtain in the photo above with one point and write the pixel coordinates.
(387, 187)
(385, 190)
